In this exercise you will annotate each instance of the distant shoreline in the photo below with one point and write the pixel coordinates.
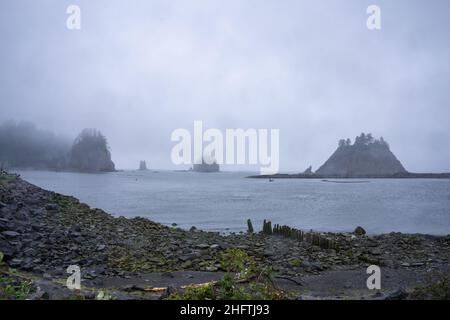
(406, 175)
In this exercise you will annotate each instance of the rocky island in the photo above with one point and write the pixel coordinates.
(90, 153)
(42, 233)
(23, 146)
(206, 167)
(365, 158)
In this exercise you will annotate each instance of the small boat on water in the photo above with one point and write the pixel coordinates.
(271, 180)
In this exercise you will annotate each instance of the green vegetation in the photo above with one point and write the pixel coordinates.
(6, 178)
(103, 295)
(296, 262)
(237, 261)
(195, 293)
(10, 290)
(436, 287)
(244, 280)
(120, 257)
(13, 288)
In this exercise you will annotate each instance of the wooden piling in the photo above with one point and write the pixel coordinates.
(287, 232)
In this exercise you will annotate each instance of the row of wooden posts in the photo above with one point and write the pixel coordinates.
(288, 232)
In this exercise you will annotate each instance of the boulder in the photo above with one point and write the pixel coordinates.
(359, 231)
(398, 294)
(10, 234)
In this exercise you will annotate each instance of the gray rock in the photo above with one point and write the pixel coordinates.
(417, 264)
(268, 253)
(405, 264)
(89, 275)
(39, 295)
(10, 234)
(378, 295)
(190, 256)
(398, 294)
(376, 252)
(389, 263)
(359, 231)
(89, 295)
(52, 207)
(202, 246)
(52, 290)
(211, 268)
(170, 290)
(15, 262)
(317, 266)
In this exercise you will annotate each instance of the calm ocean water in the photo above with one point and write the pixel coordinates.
(224, 201)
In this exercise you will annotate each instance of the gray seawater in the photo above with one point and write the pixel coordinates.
(224, 201)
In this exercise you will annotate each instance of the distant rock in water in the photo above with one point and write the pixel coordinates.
(308, 170)
(90, 153)
(143, 165)
(365, 157)
(205, 167)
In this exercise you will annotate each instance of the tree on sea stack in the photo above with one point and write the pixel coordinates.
(90, 152)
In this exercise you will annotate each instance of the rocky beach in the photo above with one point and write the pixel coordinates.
(42, 233)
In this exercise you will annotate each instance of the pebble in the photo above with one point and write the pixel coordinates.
(10, 234)
(405, 264)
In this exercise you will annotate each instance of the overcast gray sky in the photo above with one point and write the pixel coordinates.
(137, 70)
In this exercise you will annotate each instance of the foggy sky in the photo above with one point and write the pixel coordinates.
(137, 70)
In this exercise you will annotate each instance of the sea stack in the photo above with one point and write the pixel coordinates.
(308, 171)
(90, 153)
(143, 166)
(205, 167)
(366, 157)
